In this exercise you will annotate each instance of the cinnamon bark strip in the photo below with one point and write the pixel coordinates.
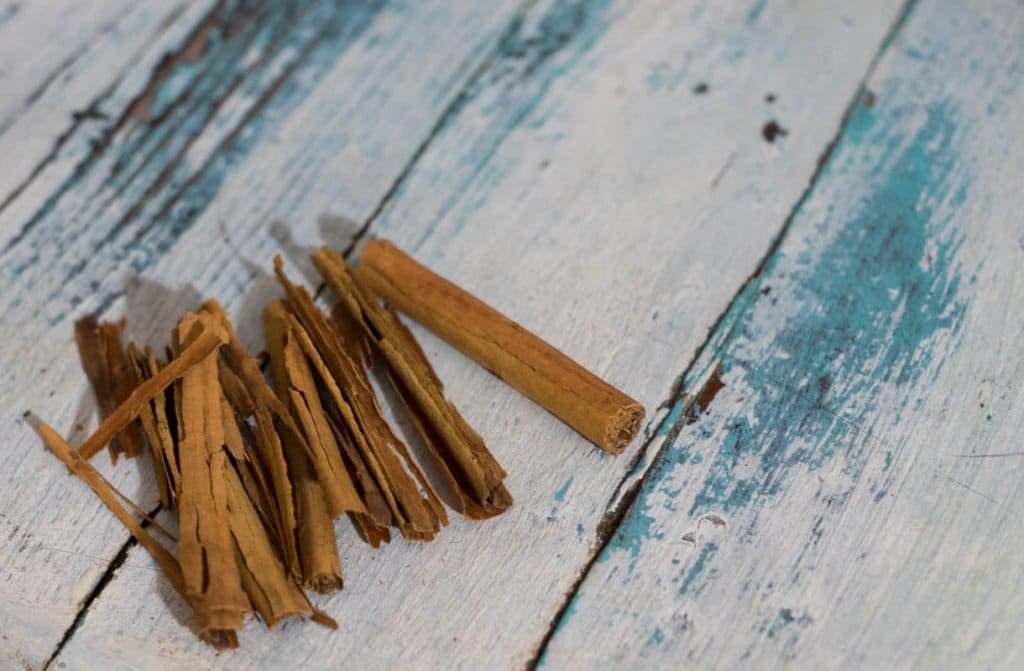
(111, 376)
(468, 465)
(259, 456)
(129, 410)
(206, 550)
(85, 472)
(274, 595)
(598, 411)
(124, 379)
(419, 516)
(154, 436)
(252, 398)
(319, 563)
(357, 346)
(165, 440)
(317, 542)
(358, 343)
(296, 384)
(99, 485)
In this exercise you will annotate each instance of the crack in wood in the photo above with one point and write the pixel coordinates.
(108, 575)
(443, 120)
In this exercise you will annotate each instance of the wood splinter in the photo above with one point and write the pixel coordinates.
(601, 413)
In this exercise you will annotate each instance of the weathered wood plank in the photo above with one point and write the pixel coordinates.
(185, 191)
(586, 189)
(851, 498)
(67, 74)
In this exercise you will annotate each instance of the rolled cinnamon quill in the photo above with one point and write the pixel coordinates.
(601, 413)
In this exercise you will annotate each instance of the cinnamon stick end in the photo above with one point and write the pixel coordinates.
(221, 639)
(324, 584)
(623, 427)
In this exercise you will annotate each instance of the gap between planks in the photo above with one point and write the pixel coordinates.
(97, 589)
(624, 497)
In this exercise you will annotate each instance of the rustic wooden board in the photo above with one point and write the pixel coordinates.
(66, 77)
(586, 183)
(850, 498)
(182, 192)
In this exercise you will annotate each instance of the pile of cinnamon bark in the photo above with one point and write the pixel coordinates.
(257, 470)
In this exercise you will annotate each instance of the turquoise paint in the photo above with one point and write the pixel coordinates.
(142, 194)
(639, 526)
(755, 12)
(877, 293)
(880, 286)
(570, 610)
(632, 534)
(673, 416)
(785, 627)
(568, 613)
(655, 79)
(9, 12)
(560, 494)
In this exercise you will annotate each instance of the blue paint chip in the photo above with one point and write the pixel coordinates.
(560, 494)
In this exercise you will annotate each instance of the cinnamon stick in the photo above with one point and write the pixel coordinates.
(460, 452)
(601, 413)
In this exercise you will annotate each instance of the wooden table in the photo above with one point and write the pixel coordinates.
(822, 198)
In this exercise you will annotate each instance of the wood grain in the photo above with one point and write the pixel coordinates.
(68, 76)
(581, 159)
(851, 498)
